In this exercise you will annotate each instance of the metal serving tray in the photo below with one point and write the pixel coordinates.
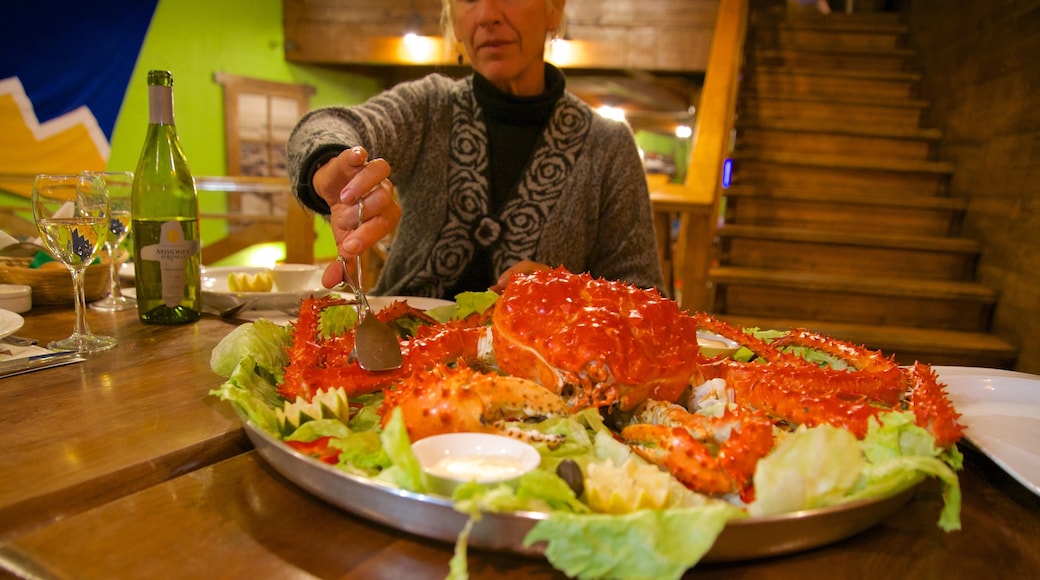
(433, 516)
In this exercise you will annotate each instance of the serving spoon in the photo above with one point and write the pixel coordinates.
(376, 347)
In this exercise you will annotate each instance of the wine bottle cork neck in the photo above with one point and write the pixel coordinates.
(160, 105)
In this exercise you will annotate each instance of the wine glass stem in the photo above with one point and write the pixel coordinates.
(114, 292)
(81, 302)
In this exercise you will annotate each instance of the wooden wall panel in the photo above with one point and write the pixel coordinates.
(658, 35)
(981, 76)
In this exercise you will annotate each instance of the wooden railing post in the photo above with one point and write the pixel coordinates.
(696, 200)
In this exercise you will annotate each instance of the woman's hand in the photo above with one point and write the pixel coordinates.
(342, 182)
(522, 267)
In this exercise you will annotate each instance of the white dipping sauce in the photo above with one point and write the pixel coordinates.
(477, 467)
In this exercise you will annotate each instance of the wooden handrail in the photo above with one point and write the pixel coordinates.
(696, 200)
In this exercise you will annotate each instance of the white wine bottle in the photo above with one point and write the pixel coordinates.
(165, 208)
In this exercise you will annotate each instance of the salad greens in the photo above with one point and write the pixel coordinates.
(632, 519)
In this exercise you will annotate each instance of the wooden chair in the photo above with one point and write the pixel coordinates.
(295, 228)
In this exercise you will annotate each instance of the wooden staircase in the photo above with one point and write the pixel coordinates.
(838, 218)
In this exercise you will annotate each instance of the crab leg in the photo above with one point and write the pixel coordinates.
(714, 455)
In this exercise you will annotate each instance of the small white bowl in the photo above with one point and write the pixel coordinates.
(295, 277)
(713, 345)
(455, 458)
(16, 297)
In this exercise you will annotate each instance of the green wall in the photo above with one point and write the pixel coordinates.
(669, 145)
(195, 39)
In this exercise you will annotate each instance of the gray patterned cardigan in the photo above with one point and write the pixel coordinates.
(582, 201)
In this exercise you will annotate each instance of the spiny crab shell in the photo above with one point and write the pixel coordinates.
(601, 340)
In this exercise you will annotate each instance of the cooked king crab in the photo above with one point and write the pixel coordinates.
(598, 342)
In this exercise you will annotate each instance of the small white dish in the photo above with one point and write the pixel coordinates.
(16, 297)
(455, 458)
(295, 277)
(215, 291)
(713, 345)
(10, 323)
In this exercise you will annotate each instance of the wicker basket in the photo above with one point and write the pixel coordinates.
(54, 285)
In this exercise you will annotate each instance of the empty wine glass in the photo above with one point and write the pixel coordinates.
(119, 184)
(71, 212)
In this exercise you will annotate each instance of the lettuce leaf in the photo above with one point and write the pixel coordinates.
(405, 472)
(466, 304)
(902, 454)
(263, 341)
(253, 395)
(362, 453)
(337, 320)
(811, 468)
(642, 544)
(252, 358)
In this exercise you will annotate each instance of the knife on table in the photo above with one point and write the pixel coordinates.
(9, 368)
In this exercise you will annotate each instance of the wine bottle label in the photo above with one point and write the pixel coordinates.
(172, 252)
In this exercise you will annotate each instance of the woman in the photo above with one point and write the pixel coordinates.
(498, 173)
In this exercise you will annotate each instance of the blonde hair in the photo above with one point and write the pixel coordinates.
(448, 28)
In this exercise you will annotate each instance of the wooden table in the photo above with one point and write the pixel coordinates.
(81, 435)
(124, 467)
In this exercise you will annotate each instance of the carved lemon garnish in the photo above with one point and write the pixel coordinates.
(250, 282)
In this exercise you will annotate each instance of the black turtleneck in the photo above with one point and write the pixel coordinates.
(514, 127)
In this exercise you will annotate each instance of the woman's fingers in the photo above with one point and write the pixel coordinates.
(333, 275)
(381, 215)
(330, 179)
(366, 181)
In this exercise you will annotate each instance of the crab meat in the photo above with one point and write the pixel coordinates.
(460, 399)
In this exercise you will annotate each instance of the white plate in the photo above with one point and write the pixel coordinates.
(1001, 413)
(10, 323)
(215, 291)
(378, 303)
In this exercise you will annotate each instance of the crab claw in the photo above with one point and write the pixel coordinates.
(713, 455)
(450, 400)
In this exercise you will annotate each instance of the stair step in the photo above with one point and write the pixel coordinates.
(810, 19)
(871, 285)
(849, 74)
(908, 345)
(891, 254)
(822, 210)
(840, 174)
(833, 161)
(831, 34)
(895, 240)
(886, 85)
(918, 303)
(801, 125)
(804, 138)
(872, 200)
(874, 60)
(852, 110)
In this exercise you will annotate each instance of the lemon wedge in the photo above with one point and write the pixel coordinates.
(247, 282)
(628, 488)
